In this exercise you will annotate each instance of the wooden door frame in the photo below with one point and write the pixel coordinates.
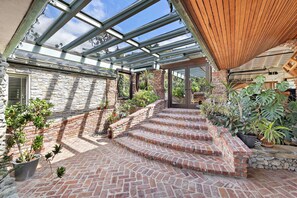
(187, 68)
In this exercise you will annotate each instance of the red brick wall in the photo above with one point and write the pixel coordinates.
(233, 149)
(158, 83)
(136, 118)
(218, 77)
(80, 125)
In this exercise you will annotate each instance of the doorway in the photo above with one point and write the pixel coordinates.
(183, 86)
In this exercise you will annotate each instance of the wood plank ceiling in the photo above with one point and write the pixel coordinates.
(236, 31)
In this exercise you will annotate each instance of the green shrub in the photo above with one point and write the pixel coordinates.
(37, 142)
(244, 110)
(144, 97)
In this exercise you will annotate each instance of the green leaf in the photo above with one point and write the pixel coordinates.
(61, 171)
(48, 155)
(273, 112)
(266, 97)
(260, 79)
(283, 86)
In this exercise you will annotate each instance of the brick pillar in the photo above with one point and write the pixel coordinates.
(158, 83)
(111, 92)
(7, 187)
(218, 78)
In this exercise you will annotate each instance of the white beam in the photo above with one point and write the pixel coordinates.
(28, 47)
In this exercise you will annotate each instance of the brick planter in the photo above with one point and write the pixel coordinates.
(234, 151)
(136, 118)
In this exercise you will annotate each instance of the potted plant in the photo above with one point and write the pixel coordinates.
(271, 134)
(17, 117)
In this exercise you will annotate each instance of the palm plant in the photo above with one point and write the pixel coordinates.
(271, 133)
(145, 77)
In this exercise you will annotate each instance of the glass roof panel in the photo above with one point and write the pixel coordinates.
(98, 40)
(68, 33)
(44, 21)
(68, 1)
(162, 30)
(104, 9)
(179, 38)
(158, 9)
(185, 46)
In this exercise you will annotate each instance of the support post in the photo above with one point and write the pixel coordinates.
(218, 80)
(158, 83)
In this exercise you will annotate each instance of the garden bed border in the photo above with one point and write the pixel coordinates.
(133, 120)
(234, 151)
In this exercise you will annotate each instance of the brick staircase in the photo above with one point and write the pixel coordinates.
(181, 137)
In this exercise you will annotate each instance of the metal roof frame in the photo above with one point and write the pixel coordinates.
(111, 22)
(158, 49)
(75, 7)
(169, 18)
(189, 50)
(169, 35)
(135, 61)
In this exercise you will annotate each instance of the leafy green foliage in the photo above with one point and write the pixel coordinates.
(37, 142)
(144, 80)
(123, 85)
(270, 132)
(40, 110)
(61, 171)
(143, 98)
(178, 87)
(50, 157)
(200, 84)
(18, 116)
(244, 110)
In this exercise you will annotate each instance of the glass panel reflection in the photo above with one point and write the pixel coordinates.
(178, 86)
(198, 85)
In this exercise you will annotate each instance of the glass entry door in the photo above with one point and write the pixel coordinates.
(185, 87)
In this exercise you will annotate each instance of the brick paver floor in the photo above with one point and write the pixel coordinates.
(96, 167)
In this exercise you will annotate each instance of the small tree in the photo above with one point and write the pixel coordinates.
(17, 117)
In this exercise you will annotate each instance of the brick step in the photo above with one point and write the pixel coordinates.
(182, 111)
(182, 117)
(203, 163)
(190, 146)
(185, 124)
(189, 134)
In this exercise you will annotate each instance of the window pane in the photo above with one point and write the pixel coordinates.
(23, 91)
(17, 90)
(124, 86)
(104, 9)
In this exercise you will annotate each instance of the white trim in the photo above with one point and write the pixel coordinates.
(28, 47)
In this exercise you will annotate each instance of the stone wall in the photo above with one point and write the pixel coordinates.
(7, 186)
(76, 98)
(136, 118)
(71, 93)
(233, 149)
(217, 78)
(278, 157)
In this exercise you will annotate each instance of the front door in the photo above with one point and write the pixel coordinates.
(182, 87)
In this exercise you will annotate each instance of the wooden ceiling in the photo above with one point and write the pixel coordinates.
(236, 31)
